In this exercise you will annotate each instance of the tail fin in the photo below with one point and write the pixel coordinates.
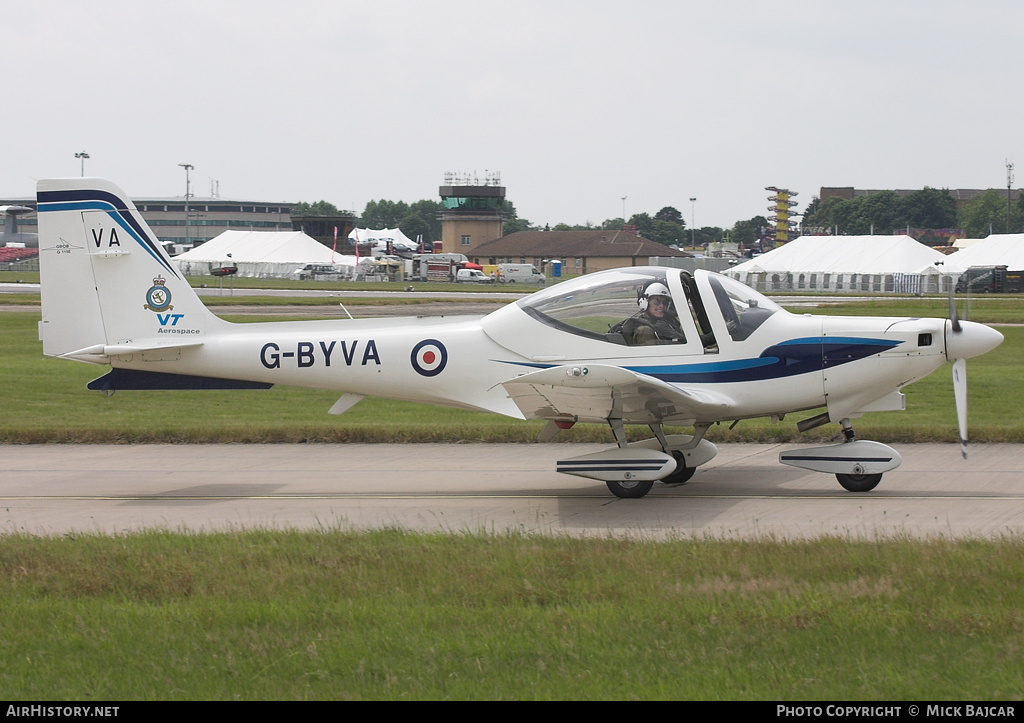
(107, 286)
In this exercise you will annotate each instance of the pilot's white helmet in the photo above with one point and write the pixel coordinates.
(655, 288)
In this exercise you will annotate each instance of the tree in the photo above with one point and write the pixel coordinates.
(928, 208)
(413, 226)
(748, 233)
(823, 217)
(427, 212)
(320, 208)
(516, 225)
(671, 215)
(812, 207)
(878, 213)
(383, 214)
(508, 210)
(643, 223)
(986, 213)
(706, 234)
(667, 233)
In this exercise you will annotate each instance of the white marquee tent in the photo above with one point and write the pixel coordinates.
(1005, 249)
(850, 264)
(262, 254)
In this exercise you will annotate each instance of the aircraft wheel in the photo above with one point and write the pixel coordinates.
(630, 489)
(859, 482)
(682, 473)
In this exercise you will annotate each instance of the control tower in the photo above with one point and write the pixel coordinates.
(471, 212)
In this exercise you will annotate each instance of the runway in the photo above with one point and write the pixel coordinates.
(494, 488)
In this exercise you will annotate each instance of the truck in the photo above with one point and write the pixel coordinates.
(437, 267)
(520, 274)
(990, 280)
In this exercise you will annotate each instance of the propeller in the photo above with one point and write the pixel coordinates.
(963, 341)
(959, 377)
(960, 395)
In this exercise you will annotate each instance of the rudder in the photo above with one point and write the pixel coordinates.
(105, 280)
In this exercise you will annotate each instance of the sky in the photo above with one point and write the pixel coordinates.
(586, 109)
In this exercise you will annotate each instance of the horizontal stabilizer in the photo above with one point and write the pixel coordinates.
(101, 353)
(119, 378)
(147, 345)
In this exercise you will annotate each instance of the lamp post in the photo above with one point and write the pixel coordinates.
(624, 210)
(1009, 185)
(693, 223)
(188, 167)
(83, 155)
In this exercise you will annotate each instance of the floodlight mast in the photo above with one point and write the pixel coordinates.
(693, 223)
(188, 167)
(83, 155)
(1009, 183)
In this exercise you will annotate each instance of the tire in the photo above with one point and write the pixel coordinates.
(682, 473)
(859, 482)
(632, 489)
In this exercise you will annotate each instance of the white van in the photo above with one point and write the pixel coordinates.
(520, 274)
(472, 276)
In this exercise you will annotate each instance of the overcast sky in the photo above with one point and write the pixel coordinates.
(576, 104)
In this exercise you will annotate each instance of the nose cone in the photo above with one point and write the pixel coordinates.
(972, 340)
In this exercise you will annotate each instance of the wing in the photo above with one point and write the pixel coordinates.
(595, 393)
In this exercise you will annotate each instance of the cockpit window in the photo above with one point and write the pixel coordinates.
(742, 308)
(610, 306)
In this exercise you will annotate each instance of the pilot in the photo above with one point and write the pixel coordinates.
(656, 323)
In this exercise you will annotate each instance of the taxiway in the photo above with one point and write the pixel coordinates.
(494, 488)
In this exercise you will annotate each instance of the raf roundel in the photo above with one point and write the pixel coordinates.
(429, 357)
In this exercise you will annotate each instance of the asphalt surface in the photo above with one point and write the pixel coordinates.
(743, 493)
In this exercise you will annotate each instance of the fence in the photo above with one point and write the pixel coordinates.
(895, 283)
(26, 265)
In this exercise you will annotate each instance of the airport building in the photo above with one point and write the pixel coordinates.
(577, 252)
(207, 217)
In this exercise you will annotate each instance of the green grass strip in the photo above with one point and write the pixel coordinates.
(389, 615)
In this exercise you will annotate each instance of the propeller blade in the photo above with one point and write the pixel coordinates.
(960, 395)
(952, 311)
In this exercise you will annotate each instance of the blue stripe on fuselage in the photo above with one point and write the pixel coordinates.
(786, 359)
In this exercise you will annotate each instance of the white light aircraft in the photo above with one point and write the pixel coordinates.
(719, 351)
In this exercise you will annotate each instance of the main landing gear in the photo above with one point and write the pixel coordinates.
(857, 464)
(631, 468)
(677, 447)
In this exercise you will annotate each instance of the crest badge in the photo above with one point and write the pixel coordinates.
(158, 297)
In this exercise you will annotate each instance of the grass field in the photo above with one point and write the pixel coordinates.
(261, 615)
